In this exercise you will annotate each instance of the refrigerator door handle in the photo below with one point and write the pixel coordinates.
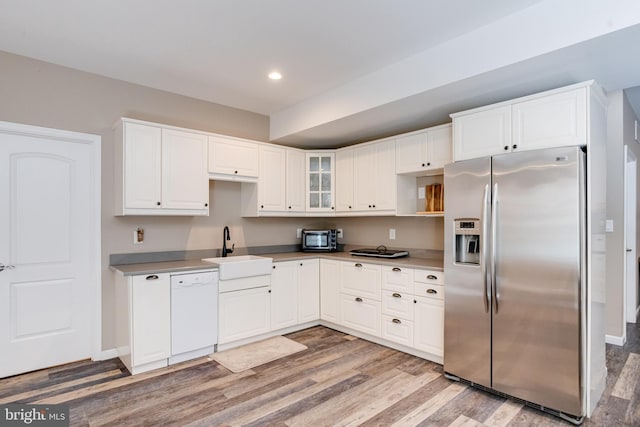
(494, 226)
(483, 246)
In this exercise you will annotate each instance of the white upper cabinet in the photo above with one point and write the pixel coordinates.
(554, 118)
(551, 121)
(295, 180)
(233, 159)
(160, 170)
(374, 178)
(424, 152)
(482, 134)
(344, 180)
(320, 183)
(272, 181)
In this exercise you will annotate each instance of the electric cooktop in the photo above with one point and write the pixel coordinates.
(379, 252)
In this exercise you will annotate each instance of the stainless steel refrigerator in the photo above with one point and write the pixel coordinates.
(514, 270)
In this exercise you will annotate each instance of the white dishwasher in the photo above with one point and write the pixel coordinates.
(194, 315)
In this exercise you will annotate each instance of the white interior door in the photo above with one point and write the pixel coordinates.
(631, 263)
(48, 222)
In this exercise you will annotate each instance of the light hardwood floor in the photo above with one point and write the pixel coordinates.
(339, 380)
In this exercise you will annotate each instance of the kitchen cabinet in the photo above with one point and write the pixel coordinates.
(397, 305)
(308, 290)
(295, 180)
(320, 183)
(553, 118)
(374, 178)
(233, 159)
(330, 290)
(143, 330)
(344, 180)
(424, 152)
(284, 295)
(429, 325)
(272, 180)
(160, 170)
(360, 313)
(244, 314)
(360, 279)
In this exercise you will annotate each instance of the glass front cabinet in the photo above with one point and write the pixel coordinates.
(320, 182)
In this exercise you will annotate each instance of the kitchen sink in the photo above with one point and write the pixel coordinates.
(235, 267)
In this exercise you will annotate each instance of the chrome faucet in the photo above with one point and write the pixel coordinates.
(225, 237)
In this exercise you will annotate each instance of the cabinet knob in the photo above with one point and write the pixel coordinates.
(432, 277)
(373, 206)
(369, 205)
(235, 172)
(396, 295)
(396, 321)
(396, 269)
(332, 207)
(506, 147)
(158, 203)
(273, 266)
(206, 204)
(358, 299)
(152, 277)
(349, 207)
(301, 264)
(358, 264)
(515, 146)
(431, 291)
(423, 165)
(289, 207)
(261, 206)
(269, 290)
(428, 163)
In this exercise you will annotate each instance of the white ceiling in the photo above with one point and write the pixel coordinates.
(222, 50)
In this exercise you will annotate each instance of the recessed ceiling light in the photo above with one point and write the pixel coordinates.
(275, 75)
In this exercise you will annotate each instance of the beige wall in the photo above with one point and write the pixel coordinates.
(37, 93)
(620, 132)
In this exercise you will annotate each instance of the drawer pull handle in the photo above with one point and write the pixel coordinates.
(432, 277)
(396, 295)
(153, 277)
(358, 265)
(396, 321)
(358, 299)
(396, 269)
(432, 291)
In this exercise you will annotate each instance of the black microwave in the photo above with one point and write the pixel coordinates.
(319, 240)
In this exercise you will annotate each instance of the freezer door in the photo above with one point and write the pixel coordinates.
(536, 320)
(467, 319)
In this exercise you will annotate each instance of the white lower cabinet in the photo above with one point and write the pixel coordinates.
(308, 290)
(360, 313)
(360, 279)
(143, 331)
(244, 314)
(284, 295)
(429, 325)
(330, 290)
(398, 330)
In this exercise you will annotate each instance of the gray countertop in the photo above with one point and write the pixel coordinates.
(428, 260)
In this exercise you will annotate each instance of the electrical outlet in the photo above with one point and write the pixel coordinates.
(299, 233)
(138, 236)
(608, 226)
(421, 191)
(340, 233)
(392, 234)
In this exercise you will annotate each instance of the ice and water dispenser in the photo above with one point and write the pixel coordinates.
(467, 245)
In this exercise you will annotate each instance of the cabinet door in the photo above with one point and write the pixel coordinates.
(243, 314)
(344, 180)
(398, 330)
(360, 279)
(482, 134)
(308, 290)
(142, 166)
(284, 295)
(295, 180)
(439, 151)
(397, 304)
(233, 157)
(185, 179)
(272, 180)
(551, 121)
(384, 176)
(330, 290)
(429, 325)
(360, 313)
(411, 153)
(397, 279)
(320, 182)
(150, 318)
(363, 178)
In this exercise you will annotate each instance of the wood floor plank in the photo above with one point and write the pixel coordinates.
(504, 414)
(463, 421)
(625, 385)
(425, 410)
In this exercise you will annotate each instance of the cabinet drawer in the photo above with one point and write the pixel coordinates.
(397, 330)
(397, 304)
(360, 279)
(429, 291)
(429, 276)
(360, 313)
(397, 279)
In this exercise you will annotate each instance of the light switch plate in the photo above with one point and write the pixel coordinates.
(340, 233)
(421, 191)
(392, 233)
(299, 233)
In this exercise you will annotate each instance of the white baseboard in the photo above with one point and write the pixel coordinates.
(612, 339)
(106, 354)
